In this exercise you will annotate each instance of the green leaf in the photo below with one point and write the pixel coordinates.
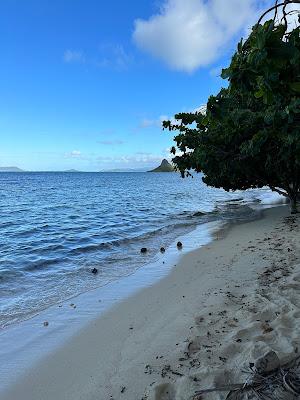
(295, 86)
(226, 73)
(259, 94)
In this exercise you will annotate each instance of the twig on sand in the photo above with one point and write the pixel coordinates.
(281, 383)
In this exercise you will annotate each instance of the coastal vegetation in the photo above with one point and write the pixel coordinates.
(249, 135)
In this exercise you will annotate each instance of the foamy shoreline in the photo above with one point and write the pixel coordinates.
(155, 341)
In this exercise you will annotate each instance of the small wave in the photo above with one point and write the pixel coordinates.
(231, 200)
(273, 198)
(192, 214)
(41, 264)
(130, 240)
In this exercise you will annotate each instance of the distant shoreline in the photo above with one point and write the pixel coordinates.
(83, 172)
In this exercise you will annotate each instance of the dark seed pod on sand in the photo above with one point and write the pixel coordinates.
(143, 250)
(94, 271)
(179, 245)
(162, 249)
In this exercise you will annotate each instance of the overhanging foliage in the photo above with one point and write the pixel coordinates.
(250, 134)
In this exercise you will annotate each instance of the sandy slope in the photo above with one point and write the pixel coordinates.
(222, 307)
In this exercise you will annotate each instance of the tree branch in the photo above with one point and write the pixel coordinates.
(284, 15)
(274, 189)
(276, 6)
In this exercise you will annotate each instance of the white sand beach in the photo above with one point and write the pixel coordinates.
(220, 308)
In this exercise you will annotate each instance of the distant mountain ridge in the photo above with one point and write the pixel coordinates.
(165, 166)
(11, 169)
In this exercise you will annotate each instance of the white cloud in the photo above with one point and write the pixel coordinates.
(74, 154)
(73, 56)
(188, 34)
(138, 159)
(110, 142)
(150, 123)
(113, 56)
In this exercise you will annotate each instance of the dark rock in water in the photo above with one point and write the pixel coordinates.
(162, 249)
(179, 245)
(94, 271)
(198, 214)
(144, 250)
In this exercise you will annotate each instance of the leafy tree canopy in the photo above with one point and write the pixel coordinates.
(249, 136)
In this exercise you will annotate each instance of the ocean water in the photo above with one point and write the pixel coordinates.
(57, 227)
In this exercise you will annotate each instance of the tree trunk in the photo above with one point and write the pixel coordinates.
(294, 205)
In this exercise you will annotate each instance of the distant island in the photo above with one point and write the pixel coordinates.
(125, 170)
(165, 166)
(71, 170)
(11, 169)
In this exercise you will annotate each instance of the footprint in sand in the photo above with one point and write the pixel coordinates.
(164, 391)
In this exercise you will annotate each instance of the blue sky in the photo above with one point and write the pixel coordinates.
(85, 83)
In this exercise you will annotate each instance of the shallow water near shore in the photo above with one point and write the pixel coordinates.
(23, 344)
(56, 227)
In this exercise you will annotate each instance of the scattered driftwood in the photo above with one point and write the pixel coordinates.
(267, 380)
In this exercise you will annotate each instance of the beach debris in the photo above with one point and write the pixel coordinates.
(46, 323)
(144, 250)
(267, 363)
(94, 271)
(268, 380)
(179, 245)
(123, 388)
(162, 249)
(165, 370)
(148, 369)
(168, 370)
(195, 363)
(199, 319)
(266, 328)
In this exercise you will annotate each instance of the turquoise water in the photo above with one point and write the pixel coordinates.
(57, 227)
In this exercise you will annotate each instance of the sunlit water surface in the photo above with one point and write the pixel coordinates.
(57, 227)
